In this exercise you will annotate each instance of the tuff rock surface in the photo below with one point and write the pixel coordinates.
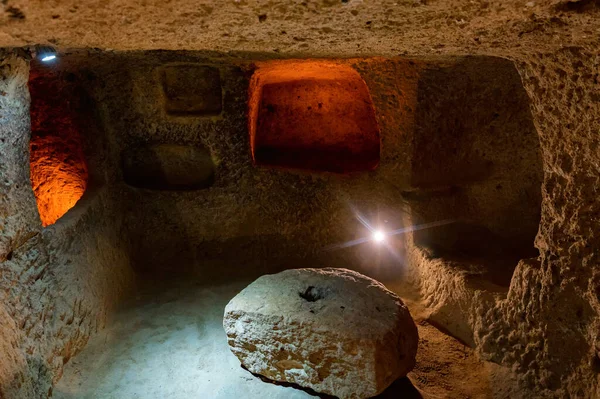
(544, 327)
(331, 330)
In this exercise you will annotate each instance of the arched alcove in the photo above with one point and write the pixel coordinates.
(58, 170)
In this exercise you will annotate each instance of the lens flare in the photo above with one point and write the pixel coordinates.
(378, 236)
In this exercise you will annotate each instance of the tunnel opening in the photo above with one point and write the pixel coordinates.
(312, 115)
(477, 162)
(58, 169)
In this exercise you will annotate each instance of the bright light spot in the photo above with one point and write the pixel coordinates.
(48, 57)
(378, 236)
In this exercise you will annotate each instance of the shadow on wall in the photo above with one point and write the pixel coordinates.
(476, 160)
(59, 173)
(168, 167)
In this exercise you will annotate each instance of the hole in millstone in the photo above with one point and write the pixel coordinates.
(312, 294)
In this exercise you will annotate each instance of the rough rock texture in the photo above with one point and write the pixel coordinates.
(543, 323)
(331, 330)
(275, 219)
(57, 285)
(546, 327)
(304, 27)
(561, 287)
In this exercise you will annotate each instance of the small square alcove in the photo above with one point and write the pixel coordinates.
(312, 115)
(191, 89)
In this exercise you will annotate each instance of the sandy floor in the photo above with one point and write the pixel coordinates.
(170, 344)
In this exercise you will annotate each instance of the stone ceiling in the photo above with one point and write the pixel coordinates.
(296, 28)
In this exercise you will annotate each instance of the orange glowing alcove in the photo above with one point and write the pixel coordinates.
(58, 170)
(314, 115)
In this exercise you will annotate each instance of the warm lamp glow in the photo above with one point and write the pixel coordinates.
(58, 170)
(312, 115)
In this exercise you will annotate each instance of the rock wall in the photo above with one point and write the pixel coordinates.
(57, 285)
(16, 227)
(547, 330)
(276, 218)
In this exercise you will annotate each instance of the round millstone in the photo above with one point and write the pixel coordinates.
(334, 331)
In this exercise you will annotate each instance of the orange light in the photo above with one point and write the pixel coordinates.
(315, 115)
(58, 170)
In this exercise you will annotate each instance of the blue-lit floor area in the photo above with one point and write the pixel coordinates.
(170, 343)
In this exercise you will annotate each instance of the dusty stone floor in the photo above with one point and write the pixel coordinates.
(169, 343)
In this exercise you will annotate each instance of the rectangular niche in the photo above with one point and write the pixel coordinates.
(168, 167)
(312, 115)
(191, 90)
